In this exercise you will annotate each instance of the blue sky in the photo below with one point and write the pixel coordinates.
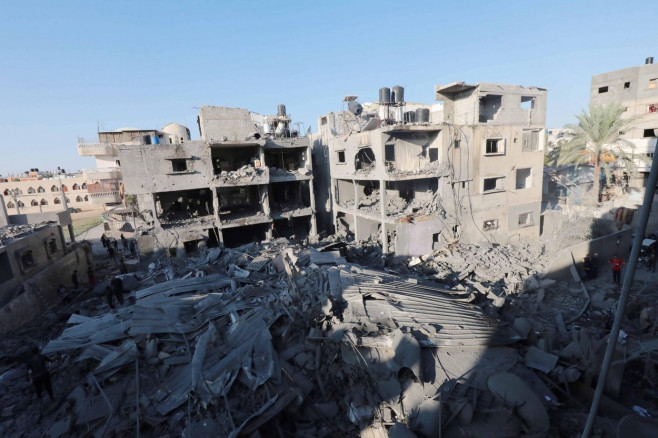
(67, 67)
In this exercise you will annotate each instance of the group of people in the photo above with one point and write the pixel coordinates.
(112, 245)
(591, 267)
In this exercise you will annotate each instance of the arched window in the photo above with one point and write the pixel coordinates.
(78, 199)
(76, 187)
(34, 203)
(44, 202)
(18, 191)
(84, 186)
(10, 205)
(68, 200)
(86, 198)
(41, 190)
(57, 201)
(31, 190)
(6, 192)
(54, 189)
(20, 204)
(64, 188)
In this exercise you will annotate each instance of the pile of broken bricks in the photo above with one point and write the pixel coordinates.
(283, 340)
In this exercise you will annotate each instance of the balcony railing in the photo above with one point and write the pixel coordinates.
(93, 149)
(102, 173)
(104, 198)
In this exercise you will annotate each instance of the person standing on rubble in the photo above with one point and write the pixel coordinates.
(132, 247)
(122, 265)
(117, 288)
(104, 240)
(36, 363)
(124, 243)
(587, 267)
(115, 244)
(616, 263)
(110, 251)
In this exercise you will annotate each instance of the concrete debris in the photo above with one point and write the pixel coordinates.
(281, 340)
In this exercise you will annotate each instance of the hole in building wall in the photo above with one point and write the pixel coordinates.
(237, 236)
(603, 89)
(295, 228)
(527, 102)
(230, 159)
(364, 159)
(489, 106)
(236, 202)
(290, 195)
(287, 159)
(490, 224)
(184, 204)
(389, 153)
(627, 85)
(434, 155)
(649, 132)
(523, 178)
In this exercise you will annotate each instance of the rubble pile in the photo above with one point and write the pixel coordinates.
(280, 340)
(244, 174)
(278, 172)
(11, 232)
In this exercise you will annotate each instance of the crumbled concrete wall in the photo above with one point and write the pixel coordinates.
(4, 220)
(40, 291)
(415, 239)
(217, 123)
(607, 246)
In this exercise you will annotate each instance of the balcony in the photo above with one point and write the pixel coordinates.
(99, 198)
(102, 173)
(93, 149)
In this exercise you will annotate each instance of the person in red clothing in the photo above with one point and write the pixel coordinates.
(616, 263)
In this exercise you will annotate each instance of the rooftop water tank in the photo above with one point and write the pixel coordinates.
(409, 116)
(384, 95)
(281, 110)
(423, 115)
(155, 139)
(397, 94)
(354, 107)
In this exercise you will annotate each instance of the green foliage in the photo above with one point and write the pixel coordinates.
(595, 136)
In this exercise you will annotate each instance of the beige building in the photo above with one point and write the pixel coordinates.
(41, 195)
(636, 88)
(416, 177)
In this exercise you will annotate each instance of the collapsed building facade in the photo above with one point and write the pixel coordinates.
(249, 178)
(420, 176)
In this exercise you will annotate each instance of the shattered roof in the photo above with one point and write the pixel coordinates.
(9, 233)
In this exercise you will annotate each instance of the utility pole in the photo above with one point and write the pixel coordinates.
(625, 291)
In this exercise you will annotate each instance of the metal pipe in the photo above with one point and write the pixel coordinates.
(625, 290)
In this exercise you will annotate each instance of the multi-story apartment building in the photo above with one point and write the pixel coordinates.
(419, 176)
(36, 194)
(249, 178)
(635, 88)
(105, 179)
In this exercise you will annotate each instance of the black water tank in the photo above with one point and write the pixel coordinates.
(397, 94)
(354, 107)
(281, 110)
(385, 95)
(422, 115)
(649, 60)
(409, 116)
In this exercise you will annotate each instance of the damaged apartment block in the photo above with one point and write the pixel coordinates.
(248, 179)
(416, 177)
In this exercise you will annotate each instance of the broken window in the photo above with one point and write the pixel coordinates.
(27, 260)
(456, 144)
(179, 165)
(489, 106)
(490, 224)
(530, 141)
(650, 132)
(434, 155)
(10, 205)
(52, 246)
(523, 178)
(76, 187)
(627, 85)
(603, 89)
(44, 202)
(495, 146)
(494, 184)
(364, 159)
(341, 157)
(78, 199)
(527, 102)
(287, 159)
(34, 203)
(653, 83)
(57, 201)
(230, 159)
(20, 204)
(389, 153)
(54, 189)
(64, 188)
(525, 220)
(323, 121)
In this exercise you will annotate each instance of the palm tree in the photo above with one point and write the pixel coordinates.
(596, 139)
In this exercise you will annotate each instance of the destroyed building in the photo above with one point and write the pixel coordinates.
(249, 178)
(636, 89)
(420, 176)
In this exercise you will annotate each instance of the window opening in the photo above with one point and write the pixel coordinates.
(341, 156)
(490, 224)
(389, 152)
(649, 132)
(494, 146)
(525, 219)
(527, 102)
(523, 178)
(179, 165)
(434, 155)
(494, 184)
(627, 85)
(603, 90)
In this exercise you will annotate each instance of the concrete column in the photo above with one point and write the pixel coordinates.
(151, 206)
(265, 200)
(314, 224)
(334, 212)
(382, 202)
(215, 206)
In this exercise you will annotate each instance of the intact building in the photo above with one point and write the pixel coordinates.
(249, 178)
(635, 88)
(417, 177)
(41, 195)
